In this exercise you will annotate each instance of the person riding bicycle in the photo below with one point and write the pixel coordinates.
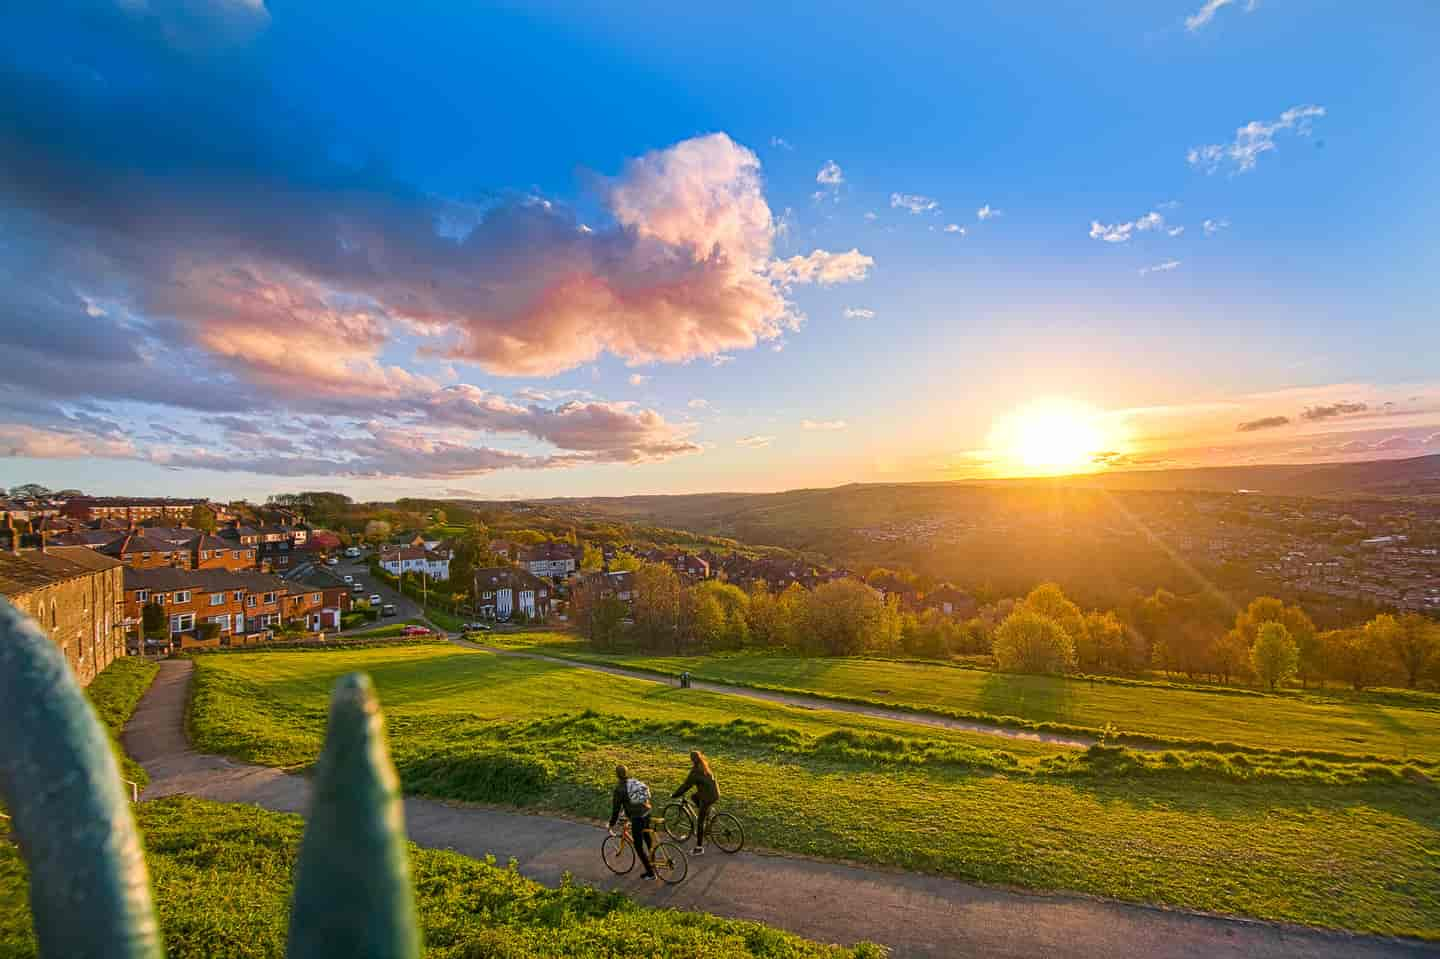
(707, 793)
(633, 796)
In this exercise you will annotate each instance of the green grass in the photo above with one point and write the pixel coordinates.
(115, 693)
(381, 632)
(1386, 725)
(222, 879)
(1265, 836)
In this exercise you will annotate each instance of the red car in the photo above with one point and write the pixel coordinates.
(415, 631)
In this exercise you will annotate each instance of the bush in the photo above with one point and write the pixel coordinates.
(1028, 642)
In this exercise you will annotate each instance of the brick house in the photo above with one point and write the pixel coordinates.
(244, 605)
(217, 552)
(951, 601)
(130, 509)
(557, 560)
(74, 594)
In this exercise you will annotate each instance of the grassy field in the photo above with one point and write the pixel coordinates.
(222, 878)
(1285, 841)
(1404, 726)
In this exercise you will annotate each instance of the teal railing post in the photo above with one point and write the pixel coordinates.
(353, 897)
(89, 889)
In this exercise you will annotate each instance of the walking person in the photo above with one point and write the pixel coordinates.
(633, 797)
(707, 793)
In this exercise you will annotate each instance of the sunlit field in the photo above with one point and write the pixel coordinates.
(1182, 829)
(1398, 724)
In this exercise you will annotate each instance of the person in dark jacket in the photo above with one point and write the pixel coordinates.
(707, 792)
(633, 796)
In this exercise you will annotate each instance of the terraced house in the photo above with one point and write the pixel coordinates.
(242, 607)
(504, 592)
(74, 594)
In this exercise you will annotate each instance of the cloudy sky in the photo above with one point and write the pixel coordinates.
(541, 249)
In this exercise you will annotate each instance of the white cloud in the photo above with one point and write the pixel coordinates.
(954, 228)
(755, 442)
(821, 267)
(698, 404)
(637, 380)
(986, 212)
(1212, 227)
(1175, 230)
(1165, 267)
(858, 313)
(1168, 205)
(824, 425)
(1121, 232)
(1207, 13)
(913, 202)
(871, 216)
(780, 143)
(830, 174)
(1251, 140)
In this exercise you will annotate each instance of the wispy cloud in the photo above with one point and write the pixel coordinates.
(1164, 267)
(1212, 227)
(1207, 13)
(822, 267)
(780, 143)
(830, 178)
(1253, 139)
(637, 380)
(913, 202)
(1327, 411)
(1121, 232)
(755, 442)
(823, 425)
(698, 404)
(1175, 230)
(871, 216)
(955, 228)
(1263, 423)
(987, 212)
(859, 313)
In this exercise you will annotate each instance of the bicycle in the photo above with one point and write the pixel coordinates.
(668, 859)
(723, 829)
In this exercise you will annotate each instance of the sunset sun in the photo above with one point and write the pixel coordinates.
(1051, 437)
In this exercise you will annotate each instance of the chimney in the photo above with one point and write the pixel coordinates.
(14, 534)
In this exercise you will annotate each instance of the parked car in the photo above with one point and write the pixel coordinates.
(357, 587)
(476, 627)
(332, 561)
(415, 631)
(349, 578)
(353, 551)
(374, 599)
(388, 609)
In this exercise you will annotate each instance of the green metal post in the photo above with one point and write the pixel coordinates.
(89, 889)
(353, 897)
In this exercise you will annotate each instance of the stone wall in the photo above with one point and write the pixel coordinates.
(83, 616)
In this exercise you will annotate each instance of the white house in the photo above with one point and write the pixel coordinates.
(412, 559)
(503, 591)
(550, 559)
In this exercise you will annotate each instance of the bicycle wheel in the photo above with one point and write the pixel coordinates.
(679, 821)
(618, 854)
(725, 831)
(669, 862)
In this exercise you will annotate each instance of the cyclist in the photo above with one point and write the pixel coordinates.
(633, 796)
(707, 793)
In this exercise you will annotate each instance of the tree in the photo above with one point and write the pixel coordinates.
(1108, 644)
(769, 619)
(1414, 642)
(30, 491)
(1268, 609)
(1028, 642)
(657, 605)
(845, 618)
(1048, 599)
(1230, 657)
(729, 628)
(1275, 657)
(625, 562)
(202, 518)
(152, 620)
(377, 531)
(1360, 657)
(592, 558)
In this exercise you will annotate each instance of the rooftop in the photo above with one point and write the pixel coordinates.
(32, 569)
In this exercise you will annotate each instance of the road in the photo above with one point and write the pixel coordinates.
(917, 916)
(405, 607)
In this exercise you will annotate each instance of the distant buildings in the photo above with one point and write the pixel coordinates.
(130, 509)
(74, 594)
(556, 560)
(398, 560)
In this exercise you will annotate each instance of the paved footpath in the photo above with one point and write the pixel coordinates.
(915, 915)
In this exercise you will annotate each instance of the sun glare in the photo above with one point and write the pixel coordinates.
(1052, 437)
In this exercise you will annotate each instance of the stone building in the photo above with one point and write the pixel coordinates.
(75, 594)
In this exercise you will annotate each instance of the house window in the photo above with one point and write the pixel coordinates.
(204, 554)
(144, 555)
(222, 621)
(314, 597)
(250, 600)
(239, 594)
(217, 599)
(182, 623)
(219, 554)
(269, 597)
(183, 596)
(141, 595)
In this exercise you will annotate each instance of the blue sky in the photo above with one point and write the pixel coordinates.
(550, 249)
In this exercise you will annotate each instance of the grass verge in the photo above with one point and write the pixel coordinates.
(115, 693)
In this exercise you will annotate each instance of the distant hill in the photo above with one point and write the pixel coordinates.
(1415, 476)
